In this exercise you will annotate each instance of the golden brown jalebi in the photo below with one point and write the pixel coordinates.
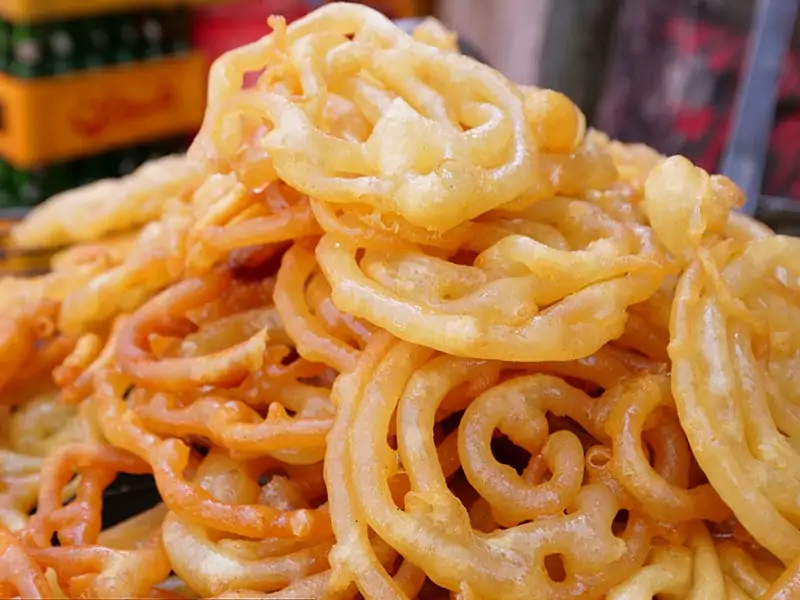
(521, 299)
(397, 328)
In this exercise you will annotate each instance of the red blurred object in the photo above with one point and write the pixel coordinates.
(673, 78)
(219, 28)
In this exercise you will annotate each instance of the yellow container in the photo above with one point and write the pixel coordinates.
(88, 112)
(44, 10)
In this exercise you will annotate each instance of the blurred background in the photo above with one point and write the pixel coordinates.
(92, 88)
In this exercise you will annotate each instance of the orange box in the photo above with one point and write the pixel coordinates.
(401, 9)
(44, 10)
(88, 112)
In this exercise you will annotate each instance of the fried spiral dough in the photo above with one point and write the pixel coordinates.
(344, 86)
(109, 206)
(519, 299)
(505, 148)
(398, 328)
(702, 568)
(733, 349)
(395, 378)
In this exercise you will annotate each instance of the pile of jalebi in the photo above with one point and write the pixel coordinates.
(398, 328)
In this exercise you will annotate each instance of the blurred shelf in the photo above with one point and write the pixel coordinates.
(62, 47)
(29, 11)
(55, 119)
